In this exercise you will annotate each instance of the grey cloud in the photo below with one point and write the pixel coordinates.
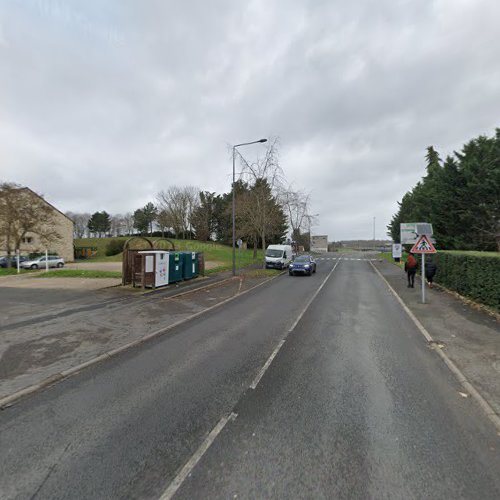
(120, 100)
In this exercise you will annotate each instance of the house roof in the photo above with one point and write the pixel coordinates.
(43, 199)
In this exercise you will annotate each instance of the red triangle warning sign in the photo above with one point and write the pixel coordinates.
(423, 245)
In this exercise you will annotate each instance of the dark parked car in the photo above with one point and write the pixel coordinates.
(13, 260)
(4, 261)
(303, 264)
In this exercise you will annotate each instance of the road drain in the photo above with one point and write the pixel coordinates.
(436, 344)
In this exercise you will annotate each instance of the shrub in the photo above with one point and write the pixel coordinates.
(114, 247)
(474, 276)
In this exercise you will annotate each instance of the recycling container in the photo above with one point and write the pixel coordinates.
(151, 268)
(175, 267)
(156, 268)
(191, 266)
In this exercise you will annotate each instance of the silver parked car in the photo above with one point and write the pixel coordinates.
(39, 262)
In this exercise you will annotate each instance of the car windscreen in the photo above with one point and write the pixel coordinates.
(302, 259)
(274, 253)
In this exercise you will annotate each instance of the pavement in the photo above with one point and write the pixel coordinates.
(117, 266)
(95, 266)
(306, 387)
(470, 337)
(34, 279)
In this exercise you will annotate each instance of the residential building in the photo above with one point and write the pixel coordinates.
(55, 224)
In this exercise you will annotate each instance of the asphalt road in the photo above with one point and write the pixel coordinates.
(355, 405)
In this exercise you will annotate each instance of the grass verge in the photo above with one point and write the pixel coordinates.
(389, 258)
(9, 271)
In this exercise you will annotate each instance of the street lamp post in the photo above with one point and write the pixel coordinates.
(234, 197)
(310, 219)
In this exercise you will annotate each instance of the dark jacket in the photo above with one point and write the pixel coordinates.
(430, 268)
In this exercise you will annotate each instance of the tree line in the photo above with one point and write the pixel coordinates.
(459, 195)
(268, 210)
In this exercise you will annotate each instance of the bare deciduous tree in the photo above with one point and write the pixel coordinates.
(118, 225)
(80, 220)
(177, 205)
(267, 167)
(22, 211)
(128, 224)
(296, 205)
(164, 222)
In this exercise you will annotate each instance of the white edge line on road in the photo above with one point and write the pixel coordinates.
(256, 380)
(196, 457)
(267, 364)
(462, 379)
(8, 400)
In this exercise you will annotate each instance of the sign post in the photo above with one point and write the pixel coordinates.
(423, 246)
(240, 244)
(423, 278)
(397, 251)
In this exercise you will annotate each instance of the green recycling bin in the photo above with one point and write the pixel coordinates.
(191, 266)
(175, 265)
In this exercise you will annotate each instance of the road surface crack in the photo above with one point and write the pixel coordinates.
(49, 472)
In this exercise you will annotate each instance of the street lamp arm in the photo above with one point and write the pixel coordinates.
(248, 143)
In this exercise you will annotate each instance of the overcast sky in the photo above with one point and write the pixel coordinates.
(103, 103)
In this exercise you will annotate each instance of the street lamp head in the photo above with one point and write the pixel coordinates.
(263, 140)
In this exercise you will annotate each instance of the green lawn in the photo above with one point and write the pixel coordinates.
(7, 271)
(80, 273)
(389, 258)
(212, 251)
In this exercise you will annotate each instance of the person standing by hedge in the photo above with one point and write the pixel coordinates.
(430, 270)
(411, 269)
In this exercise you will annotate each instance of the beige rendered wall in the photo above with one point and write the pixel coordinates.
(63, 246)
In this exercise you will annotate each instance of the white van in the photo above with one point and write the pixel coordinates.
(278, 256)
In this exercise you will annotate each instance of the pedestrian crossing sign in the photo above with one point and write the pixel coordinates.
(423, 245)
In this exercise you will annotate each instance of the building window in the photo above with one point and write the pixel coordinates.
(27, 239)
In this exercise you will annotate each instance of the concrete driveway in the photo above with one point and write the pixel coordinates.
(35, 281)
(95, 266)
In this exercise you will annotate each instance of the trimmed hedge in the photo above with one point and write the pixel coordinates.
(476, 277)
(114, 247)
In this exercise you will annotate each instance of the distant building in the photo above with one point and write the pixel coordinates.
(377, 245)
(57, 223)
(319, 244)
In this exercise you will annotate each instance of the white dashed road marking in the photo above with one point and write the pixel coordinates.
(205, 445)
